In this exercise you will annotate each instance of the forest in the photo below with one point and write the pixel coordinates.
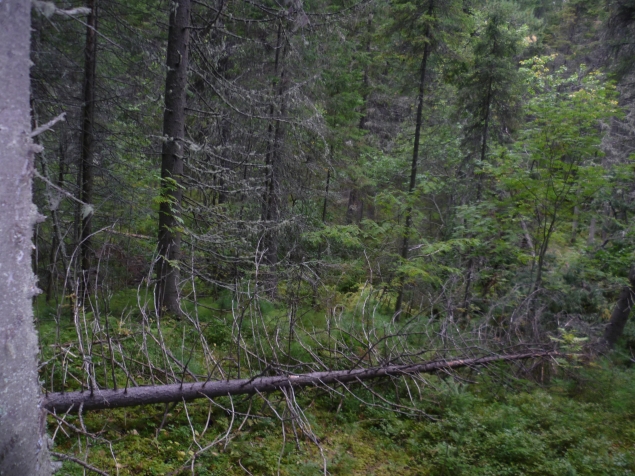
(327, 237)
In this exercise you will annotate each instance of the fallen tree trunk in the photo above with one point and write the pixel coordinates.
(148, 395)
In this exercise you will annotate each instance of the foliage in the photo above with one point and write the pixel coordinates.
(578, 425)
(306, 221)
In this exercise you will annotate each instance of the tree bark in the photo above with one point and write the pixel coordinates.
(271, 210)
(87, 147)
(99, 399)
(169, 248)
(621, 312)
(23, 441)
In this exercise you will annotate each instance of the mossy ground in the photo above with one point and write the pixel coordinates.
(582, 425)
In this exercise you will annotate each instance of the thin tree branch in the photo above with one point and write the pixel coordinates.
(79, 462)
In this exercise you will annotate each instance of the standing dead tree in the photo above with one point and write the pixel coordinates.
(88, 145)
(23, 443)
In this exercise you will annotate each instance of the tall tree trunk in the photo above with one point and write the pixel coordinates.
(548, 230)
(172, 157)
(57, 242)
(23, 440)
(326, 194)
(365, 80)
(415, 159)
(87, 148)
(488, 105)
(621, 312)
(479, 186)
(271, 213)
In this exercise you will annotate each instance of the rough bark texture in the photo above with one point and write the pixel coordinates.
(23, 443)
(172, 156)
(72, 401)
(621, 312)
(87, 146)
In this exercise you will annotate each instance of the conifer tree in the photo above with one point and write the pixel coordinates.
(170, 222)
(489, 95)
(424, 28)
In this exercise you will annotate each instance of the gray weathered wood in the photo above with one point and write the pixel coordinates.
(23, 443)
(99, 399)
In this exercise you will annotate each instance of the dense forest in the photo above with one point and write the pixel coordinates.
(335, 237)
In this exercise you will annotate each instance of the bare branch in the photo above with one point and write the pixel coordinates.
(79, 462)
(48, 9)
(98, 399)
(49, 125)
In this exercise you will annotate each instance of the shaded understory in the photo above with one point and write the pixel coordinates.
(581, 423)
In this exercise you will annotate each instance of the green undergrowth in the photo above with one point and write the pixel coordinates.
(582, 423)
(221, 321)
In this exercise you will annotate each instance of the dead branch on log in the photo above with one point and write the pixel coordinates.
(79, 462)
(101, 399)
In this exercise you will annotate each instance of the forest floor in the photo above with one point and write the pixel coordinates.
(583, 424)
(570, 419)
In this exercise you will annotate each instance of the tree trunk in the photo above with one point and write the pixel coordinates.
(415, 159)
(23, 440)
(71, 401)
(353, 206)
(169, 248)
(87, 148)
(574, 224)
(57, 241)
(326, 195)
(271, 212)
(479, 185)
(621, 312)
(488, 106)
(365, 81)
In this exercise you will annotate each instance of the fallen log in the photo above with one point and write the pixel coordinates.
(148, 395)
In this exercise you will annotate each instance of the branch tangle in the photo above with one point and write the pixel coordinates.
(100, 399)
